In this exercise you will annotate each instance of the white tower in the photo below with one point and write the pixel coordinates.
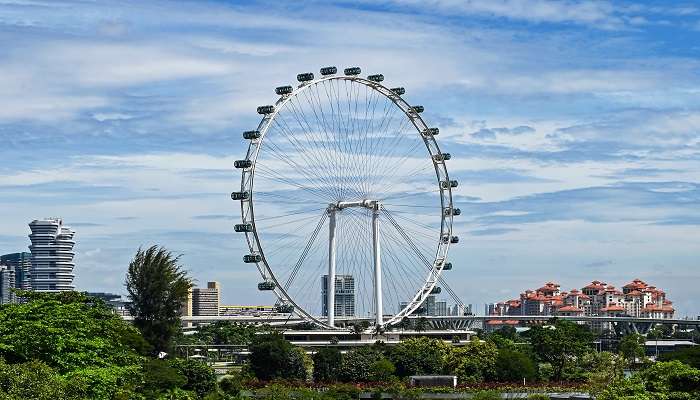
(52, 255)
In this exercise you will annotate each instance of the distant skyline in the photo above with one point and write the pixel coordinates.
(574, 129)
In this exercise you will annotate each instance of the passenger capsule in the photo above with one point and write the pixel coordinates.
(252, 258)
(436, 290)
(267, 285)
(454, 239)
(452, 211)
(282, 90)
(284, 308)
(266, 109)
(447, 266)
(376, 78)
(432, 131)
(352, 71)
(242, 163)
(442, 157)
(239, 195)
(448, 184)
(328, 71)
(417, 109)
(305, 77)
(243, 227)
(251, 135)
(399, 91)
(419, 310)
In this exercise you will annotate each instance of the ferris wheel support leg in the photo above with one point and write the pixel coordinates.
(330, 289)
(377, 266)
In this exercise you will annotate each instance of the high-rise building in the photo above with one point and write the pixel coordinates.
(344, 295)
(7, 283)
(52, 255)
(22, 264)
(206, 301)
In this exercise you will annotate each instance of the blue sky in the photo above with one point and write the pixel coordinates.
(574, 128)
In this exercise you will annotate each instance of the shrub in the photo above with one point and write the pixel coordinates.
(31, 380)
(200, 378)
(513, 366)
(487, 395)
(160, 376)
(382, 370)
(273, 357)
(327, 364)
(357, 363)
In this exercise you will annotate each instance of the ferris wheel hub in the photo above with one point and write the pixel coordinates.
(369, 204)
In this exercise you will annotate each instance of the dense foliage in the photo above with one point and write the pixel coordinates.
(273, 357)
(559, 343)
(327, 364)
(419, 356)
(158, 286)
(67, 331)
(688, 355)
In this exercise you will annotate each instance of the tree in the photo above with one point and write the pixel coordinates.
(688, 355)
(560, 342)
(421, 325)
(31, 380)
(357, 363)
(632, 347)
(158, 286)
(271, 356)
(474, 362)
(67, 331)
(661, 380)
(602, 369)
(381, 370)
(419, 356)
(200, 378)
(225, 332)
(327, 364)
(514, 366)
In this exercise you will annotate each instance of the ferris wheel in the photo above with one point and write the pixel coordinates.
(346, 202)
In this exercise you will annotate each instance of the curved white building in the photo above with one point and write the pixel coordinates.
(52, 255)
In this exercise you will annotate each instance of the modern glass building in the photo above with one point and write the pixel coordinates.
(344, 295)
(22, 265)
(7, 283)
(52, 255)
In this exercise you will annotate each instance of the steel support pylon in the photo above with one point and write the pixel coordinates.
(377, 265)
(330, 283)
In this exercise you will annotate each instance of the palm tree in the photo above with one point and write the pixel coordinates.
(158, 287)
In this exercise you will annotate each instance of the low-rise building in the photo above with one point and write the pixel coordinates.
(636, 299)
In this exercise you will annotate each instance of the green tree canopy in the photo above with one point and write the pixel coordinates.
(632, 347)
(418, 356)
(357, 364)
(327, 364)
(661, 380)
(67, 331)
(688, 355)
(560, 342)
(158, 286)
(474, 362)
(271, 356)
(513, 366)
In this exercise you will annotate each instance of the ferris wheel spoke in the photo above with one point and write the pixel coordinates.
(305, 252)
(318, 154)
(309, 161)
(384, 159)
(310, 99)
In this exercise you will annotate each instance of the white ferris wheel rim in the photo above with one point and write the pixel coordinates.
(446, 203)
